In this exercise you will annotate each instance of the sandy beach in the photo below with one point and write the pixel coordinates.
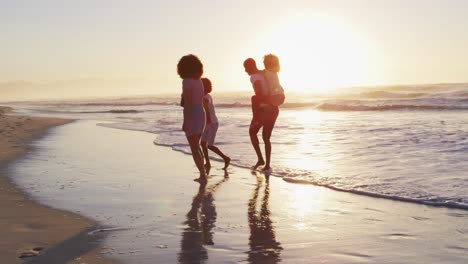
(30, 231)
(155, 213)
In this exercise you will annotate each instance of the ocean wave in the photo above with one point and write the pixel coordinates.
(446, 94)
(304, 177)
(327, 105)
(109, 102)
(387, 94)
(233, 105)
(455, 95)
(285, 105)
(440, 201)
(440, 104)
(115, 111)
(425, 97)
(385, 107)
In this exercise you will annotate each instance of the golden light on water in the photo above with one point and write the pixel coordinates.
(313, 119)
(304, 201)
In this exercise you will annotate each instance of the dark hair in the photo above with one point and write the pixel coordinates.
(250, 66)
(189, 66)
(207, 87)
(271, 62)
(250, 63)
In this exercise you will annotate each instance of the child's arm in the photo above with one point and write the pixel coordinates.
(258, 89)
(207, 111)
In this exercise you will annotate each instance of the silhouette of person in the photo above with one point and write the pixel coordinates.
(208, 136)
(200, 222)
(190, 69)
(262, 241)
(264, 114)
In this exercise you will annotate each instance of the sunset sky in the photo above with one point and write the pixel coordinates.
(132, 47)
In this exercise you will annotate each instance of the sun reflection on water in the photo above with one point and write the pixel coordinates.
(304, 201)
(310, 136)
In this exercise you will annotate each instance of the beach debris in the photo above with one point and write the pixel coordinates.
(32, 253)
(162, 246)
(37, 249)
(28, 254)
(101, 230)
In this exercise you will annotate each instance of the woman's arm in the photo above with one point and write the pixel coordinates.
(187, 99)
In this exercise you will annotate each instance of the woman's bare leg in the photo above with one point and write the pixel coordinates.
(266, 134)
(253, 131)
(197, 154)
(266, 139)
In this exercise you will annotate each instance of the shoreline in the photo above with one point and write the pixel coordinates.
(31, 231)
(239, 216)
(382, 196)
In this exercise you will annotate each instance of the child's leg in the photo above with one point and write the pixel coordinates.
(204, 146)
(226, 159)
(210, 139)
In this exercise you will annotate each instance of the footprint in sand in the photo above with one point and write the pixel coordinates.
(464, 232)
(373, 219)
(458, 214)
(354, 257)
(399, 236)
(420, 218)
(458, 249)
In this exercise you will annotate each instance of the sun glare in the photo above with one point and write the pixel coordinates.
(319, 53)
(304, 202)
(312, 118)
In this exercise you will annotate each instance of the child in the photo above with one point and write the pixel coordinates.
(208, 136)
(259, 99)
(276, 91)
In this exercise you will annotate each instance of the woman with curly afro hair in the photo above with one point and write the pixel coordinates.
(190, 69)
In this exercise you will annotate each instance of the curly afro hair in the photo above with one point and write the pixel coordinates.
(190, 66)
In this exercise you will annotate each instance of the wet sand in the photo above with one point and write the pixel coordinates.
(157, 214)
(37, 232)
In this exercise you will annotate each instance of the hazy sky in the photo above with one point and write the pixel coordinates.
(320, 43)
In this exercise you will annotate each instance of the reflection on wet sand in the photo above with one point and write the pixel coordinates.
(200, 221)
(263, 245)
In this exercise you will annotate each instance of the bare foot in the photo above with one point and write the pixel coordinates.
(201, 180)
(267, 172)
(207, 168)
(259, 163)
(227, 161)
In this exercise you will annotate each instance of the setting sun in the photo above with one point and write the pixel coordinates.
(318, 53)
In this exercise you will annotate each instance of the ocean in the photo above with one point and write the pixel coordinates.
(405, 143)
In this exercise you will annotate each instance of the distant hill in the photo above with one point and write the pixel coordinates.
(26, 90)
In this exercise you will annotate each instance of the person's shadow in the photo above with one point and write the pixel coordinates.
(199, 224)
(263, 245)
